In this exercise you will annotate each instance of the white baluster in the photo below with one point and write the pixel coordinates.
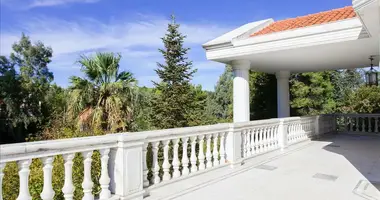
(201, 156)
(357, 124)
(47, 191)
(208, 151)
(156, 164)
(265, 139)
(271, 137)
(145, 165)
(215, 152)
(193, 157)
(176, 163)
(222, 150)
(257, 141)
(246, 146)
(166, 163)
(87, 183)
(2, 166)
(68, 186)
(261, 140)
(363, 124)
(376, 124)
(351, 121)
(185, 159)
(23, 172)
(104, 179)
(252, 143)
(276, 136)
(249, 144)
(369, 124)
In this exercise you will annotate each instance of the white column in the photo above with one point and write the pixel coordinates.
(283, 104)
(241, 90)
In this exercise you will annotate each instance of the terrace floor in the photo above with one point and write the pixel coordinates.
(337, 167)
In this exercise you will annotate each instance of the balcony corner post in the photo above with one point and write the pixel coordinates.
(126, 169)
(233, 147)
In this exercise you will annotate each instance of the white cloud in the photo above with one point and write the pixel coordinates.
(137, 41)
(44, 3)
(29, 4)
(88, 34)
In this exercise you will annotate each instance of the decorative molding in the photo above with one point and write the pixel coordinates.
(226, 39)
(341, 31)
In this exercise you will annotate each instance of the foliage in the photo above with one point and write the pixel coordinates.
(197, 114)
(263, 92)
(25, 81)
(345, 83)
(365, 99)
(104, 99)
(219, 102)
(312, 93)
(174, 98)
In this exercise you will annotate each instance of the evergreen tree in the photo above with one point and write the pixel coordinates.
(312, 93)
(219, 102)
(263, 92)
(174, 97)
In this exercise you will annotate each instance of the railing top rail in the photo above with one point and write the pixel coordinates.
(19, 151)
(357, 114)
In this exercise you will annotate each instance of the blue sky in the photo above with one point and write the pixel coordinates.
(134, 27)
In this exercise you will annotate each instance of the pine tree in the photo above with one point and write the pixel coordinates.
(174, 97)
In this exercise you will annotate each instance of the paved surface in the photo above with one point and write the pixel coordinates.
(337, 168)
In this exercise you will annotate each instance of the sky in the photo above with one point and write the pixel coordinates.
(133, 28)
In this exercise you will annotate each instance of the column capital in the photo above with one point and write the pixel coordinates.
(241, 64)
(283, 75)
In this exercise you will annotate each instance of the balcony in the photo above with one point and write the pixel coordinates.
(320, 157)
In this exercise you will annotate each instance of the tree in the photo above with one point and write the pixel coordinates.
(312, 93)
(24, 84)
(198, 114)
(174, 97)
(105, 98)
(219, 103)
(365, 99)
(263, 92)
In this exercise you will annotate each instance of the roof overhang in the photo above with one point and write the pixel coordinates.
(341, 44)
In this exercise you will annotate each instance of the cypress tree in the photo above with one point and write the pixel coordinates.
(174, 97)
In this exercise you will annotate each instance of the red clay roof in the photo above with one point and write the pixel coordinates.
(308, 20)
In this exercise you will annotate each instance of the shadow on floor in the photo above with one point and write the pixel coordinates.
(362, 151)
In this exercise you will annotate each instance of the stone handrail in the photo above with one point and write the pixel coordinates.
(132, 162)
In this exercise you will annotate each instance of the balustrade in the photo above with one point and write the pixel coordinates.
(165, 155)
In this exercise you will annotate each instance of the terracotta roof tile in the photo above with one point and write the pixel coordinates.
(308, 20)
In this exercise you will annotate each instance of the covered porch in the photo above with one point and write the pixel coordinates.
(343, 38)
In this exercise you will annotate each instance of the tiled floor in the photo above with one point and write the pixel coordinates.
(328, 169)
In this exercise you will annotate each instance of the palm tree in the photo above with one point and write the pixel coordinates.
(105, 97)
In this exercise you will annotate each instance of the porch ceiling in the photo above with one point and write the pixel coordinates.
(343, 55)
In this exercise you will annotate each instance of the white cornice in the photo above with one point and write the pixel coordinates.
(226, 39)
(344, 30)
